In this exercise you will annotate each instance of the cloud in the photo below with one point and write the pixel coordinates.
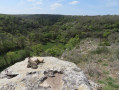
(55, 5)
(74, 2)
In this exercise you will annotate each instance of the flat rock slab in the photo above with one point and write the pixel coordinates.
(53, 74)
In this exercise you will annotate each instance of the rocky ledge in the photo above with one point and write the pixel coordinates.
(52, 74)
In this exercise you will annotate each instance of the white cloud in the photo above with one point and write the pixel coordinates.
(74, 2)
(55, 5)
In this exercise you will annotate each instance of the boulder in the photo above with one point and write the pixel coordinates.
(53, 74)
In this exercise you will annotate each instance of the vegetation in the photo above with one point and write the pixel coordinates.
(99, 63)
(22, 36)
(72, 43)
(100, 50)
(37, 49)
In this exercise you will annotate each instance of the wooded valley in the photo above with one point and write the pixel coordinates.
(29, 35)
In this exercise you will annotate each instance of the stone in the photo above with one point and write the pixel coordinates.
(34, 61)
(54, 74)
(41, 60)
(32, 64)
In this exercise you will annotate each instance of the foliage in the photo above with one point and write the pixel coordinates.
(12, 57)
(37, 49)
(107, 87)
(18, 32)
(100, 50)
(54, 51)
(106, 34)
(110, 84)
(104, 43)
(72, 43)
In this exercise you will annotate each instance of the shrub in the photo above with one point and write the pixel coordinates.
(20, 55)
(72, 43)
(101, 81)
(112, 82)
(113, 38)
(107, 87)
(54, 51)
(106, 34)
(104, 43)
(37, 49)
(105, 64)
(11, 57)
(100, 50)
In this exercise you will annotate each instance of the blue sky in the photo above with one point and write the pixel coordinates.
(65, 7)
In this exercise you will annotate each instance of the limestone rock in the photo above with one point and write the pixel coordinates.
(41, 60)
(34, 61)
(53, 74)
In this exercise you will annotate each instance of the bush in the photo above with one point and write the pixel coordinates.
(107, 87)
(100, 50)
(104, 43)
(37, 49)
(106, 34)
(113, 38)
(11, 57)
(20, 55)
(72, 43)
(54, 51)
(112, 82)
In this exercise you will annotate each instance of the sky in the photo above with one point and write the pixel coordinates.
(63, 7)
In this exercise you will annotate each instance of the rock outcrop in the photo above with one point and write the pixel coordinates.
(53, 74)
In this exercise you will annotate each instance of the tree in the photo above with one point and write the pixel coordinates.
(37, 49)
(72, 43)
(11, 57)
(54, 51)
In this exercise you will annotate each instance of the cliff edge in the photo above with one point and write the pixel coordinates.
(52, 74)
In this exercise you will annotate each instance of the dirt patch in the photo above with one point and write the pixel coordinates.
(55, 82)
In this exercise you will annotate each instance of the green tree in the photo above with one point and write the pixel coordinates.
(54, 51)
(37, 49)
(72, 43)
(11, 57)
